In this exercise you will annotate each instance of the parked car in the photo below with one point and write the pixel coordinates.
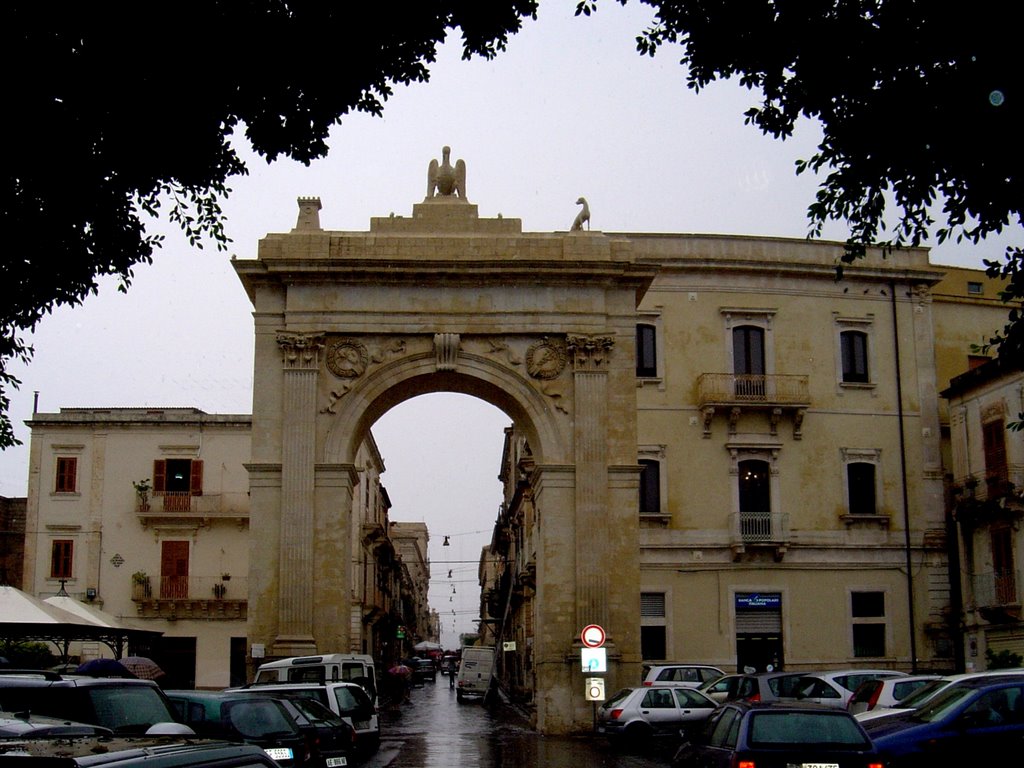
(423, 669)
(131, 752)
(449, 664)
(927, 692)
(689, 675)
(124, 706)
(27, 724)
(259, 720)
(886, 692)
(347, 700)
(762, 686)
(638, 713)
(970, 720)
(330, 740)
(834, 689)
(778, 733)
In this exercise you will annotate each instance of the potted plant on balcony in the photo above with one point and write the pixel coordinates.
(141, 585)
(142, 489)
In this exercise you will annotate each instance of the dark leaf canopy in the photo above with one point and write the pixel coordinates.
(120, 110)
(920, 105)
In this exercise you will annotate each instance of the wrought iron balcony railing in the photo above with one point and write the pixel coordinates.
(733, 393)
(186, 505)
(996, 588)
(749, 389)
(759, 529)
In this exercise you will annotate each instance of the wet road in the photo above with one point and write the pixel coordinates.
(435, 731)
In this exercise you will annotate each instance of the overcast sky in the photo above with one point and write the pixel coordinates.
(570, 109)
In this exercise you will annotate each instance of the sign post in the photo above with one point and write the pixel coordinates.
(592, 658)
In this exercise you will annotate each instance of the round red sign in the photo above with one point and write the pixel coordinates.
(592, 636)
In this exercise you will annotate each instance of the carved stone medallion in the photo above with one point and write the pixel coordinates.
(347, 359)
(546, 359)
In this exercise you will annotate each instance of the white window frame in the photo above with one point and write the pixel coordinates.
(884, 619)
(653, 317)
(656, 453)
(734, 317)
(862, 456)
(865, 325)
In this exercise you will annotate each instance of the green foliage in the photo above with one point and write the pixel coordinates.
(1004, 659)
(28, 655)
(125, 111)
(920, 105)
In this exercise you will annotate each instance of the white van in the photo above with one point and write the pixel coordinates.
(475, 671)
(326, 668)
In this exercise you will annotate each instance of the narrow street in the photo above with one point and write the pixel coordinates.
(434, 731)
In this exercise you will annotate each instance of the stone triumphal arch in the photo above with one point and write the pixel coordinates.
(542, 325)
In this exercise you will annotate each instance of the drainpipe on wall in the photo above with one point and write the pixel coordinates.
(903, 484)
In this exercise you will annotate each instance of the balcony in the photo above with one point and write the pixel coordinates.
(982, 498)
(183, 507)
(997, 596)
(759, 530)
(183, 597)
(734, 394)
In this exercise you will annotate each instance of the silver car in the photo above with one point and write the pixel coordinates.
(638, 713)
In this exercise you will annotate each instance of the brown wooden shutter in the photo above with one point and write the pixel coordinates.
(159, 476)
(196, 478)
(174, 570)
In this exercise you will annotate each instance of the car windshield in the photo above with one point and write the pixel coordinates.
(942, 704)
(316, 712)
(128, 709)
(352, 700)
(790, 728)
(923, 694)
(256, 718)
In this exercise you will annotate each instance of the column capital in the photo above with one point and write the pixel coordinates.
(301, 351)
(589, 353)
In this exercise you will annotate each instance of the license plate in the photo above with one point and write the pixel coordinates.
(360, 725)
(819, 765)
(336, 762)
(280, 753)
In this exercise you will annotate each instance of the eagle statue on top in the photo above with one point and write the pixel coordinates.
(445, 181)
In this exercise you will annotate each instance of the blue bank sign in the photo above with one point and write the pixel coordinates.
(753, 601)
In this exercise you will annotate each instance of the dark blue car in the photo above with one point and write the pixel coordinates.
(775, 734)
(984, 716)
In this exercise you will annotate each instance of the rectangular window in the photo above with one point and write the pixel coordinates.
(67, 471)
(869, 626)
(653, 642)
(61, 558)
(860, 477)
(975, 289)
(650, 487)
(855, 356)
(646, 351)
(993, 435)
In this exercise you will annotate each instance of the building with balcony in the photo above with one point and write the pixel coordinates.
(791, 454)
(144, 512)
(987, 492)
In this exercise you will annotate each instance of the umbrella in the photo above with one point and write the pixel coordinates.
(426, 645)
(400, 670)
(103, 668)
(141, 667)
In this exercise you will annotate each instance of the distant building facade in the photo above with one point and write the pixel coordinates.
(144, 512)
(987, 492)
